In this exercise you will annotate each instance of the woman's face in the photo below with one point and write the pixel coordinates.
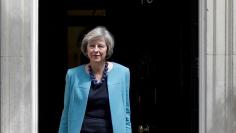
(97, 49)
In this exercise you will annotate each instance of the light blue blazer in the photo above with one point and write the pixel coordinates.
(76, 95)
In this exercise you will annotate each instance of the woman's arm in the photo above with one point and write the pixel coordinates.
(128, 122)
(63, 128)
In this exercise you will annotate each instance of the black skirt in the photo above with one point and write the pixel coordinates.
(92, 125)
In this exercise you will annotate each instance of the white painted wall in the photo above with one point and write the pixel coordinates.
(18, 58)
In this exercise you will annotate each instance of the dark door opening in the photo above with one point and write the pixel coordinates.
(157, 40)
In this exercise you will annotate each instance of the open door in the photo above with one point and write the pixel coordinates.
(156, 39)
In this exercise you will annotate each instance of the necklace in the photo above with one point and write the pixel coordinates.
(92, 76)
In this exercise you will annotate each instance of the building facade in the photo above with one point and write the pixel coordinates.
(19, 66)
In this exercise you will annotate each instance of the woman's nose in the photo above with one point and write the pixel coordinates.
(96, 48)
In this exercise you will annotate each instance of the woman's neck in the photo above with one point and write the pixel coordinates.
(97, 68)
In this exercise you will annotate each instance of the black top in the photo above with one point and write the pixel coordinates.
(97, 116)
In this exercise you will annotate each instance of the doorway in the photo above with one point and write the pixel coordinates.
(158, 42)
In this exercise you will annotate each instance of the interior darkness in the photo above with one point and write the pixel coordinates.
(158, 41)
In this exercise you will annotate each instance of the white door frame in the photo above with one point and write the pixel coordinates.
(217, 59)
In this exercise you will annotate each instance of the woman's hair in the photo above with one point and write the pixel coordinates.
(98, 31)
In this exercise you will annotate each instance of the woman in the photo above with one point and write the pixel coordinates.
(97, 94)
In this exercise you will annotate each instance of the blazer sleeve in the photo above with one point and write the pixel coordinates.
(128, 121)
(63, 128)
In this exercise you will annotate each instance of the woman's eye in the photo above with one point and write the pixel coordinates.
(101, 46)
(91, 46)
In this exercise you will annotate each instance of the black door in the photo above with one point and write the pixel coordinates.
(157, 40)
